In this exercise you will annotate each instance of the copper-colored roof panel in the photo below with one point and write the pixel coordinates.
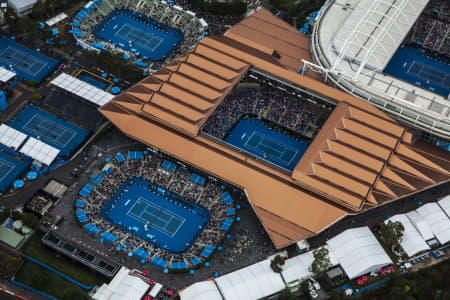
(195, 87)
(357, 156)
(212, 67)
(267, 16)
(186, 97)
(374, 133)
(295, 38)
(220, 57)
(207, 78)
(387, 126)
(340, 179)
(170, 119)
(348, 166)
(177, 107)
(363, 144)
(244, 34)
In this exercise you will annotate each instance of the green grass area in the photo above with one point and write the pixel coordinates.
(8, 264)
(48, 282)
(78, 272)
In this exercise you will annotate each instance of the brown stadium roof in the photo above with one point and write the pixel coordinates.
(361, 158)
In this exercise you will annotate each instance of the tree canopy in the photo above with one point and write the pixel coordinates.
(391, 233)
(321, 261)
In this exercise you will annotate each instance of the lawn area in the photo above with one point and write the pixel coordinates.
(8, 264)
(48, 282)
(78, 272)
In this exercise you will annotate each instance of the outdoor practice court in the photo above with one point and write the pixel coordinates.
(10, 169)
(28, 64)
(138, 208)
(53, 131)
(125, 29)
(252, 136)
(409, 65)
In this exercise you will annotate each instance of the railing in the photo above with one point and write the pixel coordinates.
(417, 119)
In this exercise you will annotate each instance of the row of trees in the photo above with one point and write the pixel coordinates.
(49, 8)
(297, 10)
(234, 8)
(114, 63)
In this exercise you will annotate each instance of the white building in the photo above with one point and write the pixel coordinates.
(124, 286)
(412, 242)
(358, 252)
(437, 220)
(203, 290)
(22, 7)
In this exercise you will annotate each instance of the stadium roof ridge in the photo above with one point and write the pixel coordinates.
(361, 158)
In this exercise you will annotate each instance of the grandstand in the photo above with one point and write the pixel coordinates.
(163, 213)
(150, 32)
(354, 45)
(358, 157)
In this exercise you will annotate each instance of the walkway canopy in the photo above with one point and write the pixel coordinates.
(253, 282)
(358, 252)
(412, 242)
(203, 290)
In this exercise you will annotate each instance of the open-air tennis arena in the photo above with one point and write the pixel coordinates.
(155, 215)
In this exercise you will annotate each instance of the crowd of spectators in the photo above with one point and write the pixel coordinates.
(160, 11)
(432, 29)
(178, 182)
(300, 114)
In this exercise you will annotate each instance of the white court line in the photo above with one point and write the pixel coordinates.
(148, 203)
(269, 139)
(133, 30)
(10, 165)
(14, 61)
(43, 119)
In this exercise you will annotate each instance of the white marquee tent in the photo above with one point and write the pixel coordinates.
(6, 75)
(82, 89)
(438, 221)
(421, 225)
(297, 267)
(40, 151)
(445, 205)
(358, 252)
(203, 290)
(412, 242)
(11, 137)
(250, 283)
(122, 287)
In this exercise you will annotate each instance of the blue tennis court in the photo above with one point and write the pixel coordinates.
(10, 169)
(254, 137)
(50, 129)
(155, 215)
(138, 34)
(27, 63)
(410, 65)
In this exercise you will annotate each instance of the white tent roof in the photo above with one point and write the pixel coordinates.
(82, 89)
(11, 137)
(438, 221)
(297, 267)
(412, 242)
(445, 204)
(421, 225)
(6, 75)
(40, 151)
(375, 29)
(358, 252)
(203, 290)
(203, 22)
(250, 283)
(56, 19)
(122, 287)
